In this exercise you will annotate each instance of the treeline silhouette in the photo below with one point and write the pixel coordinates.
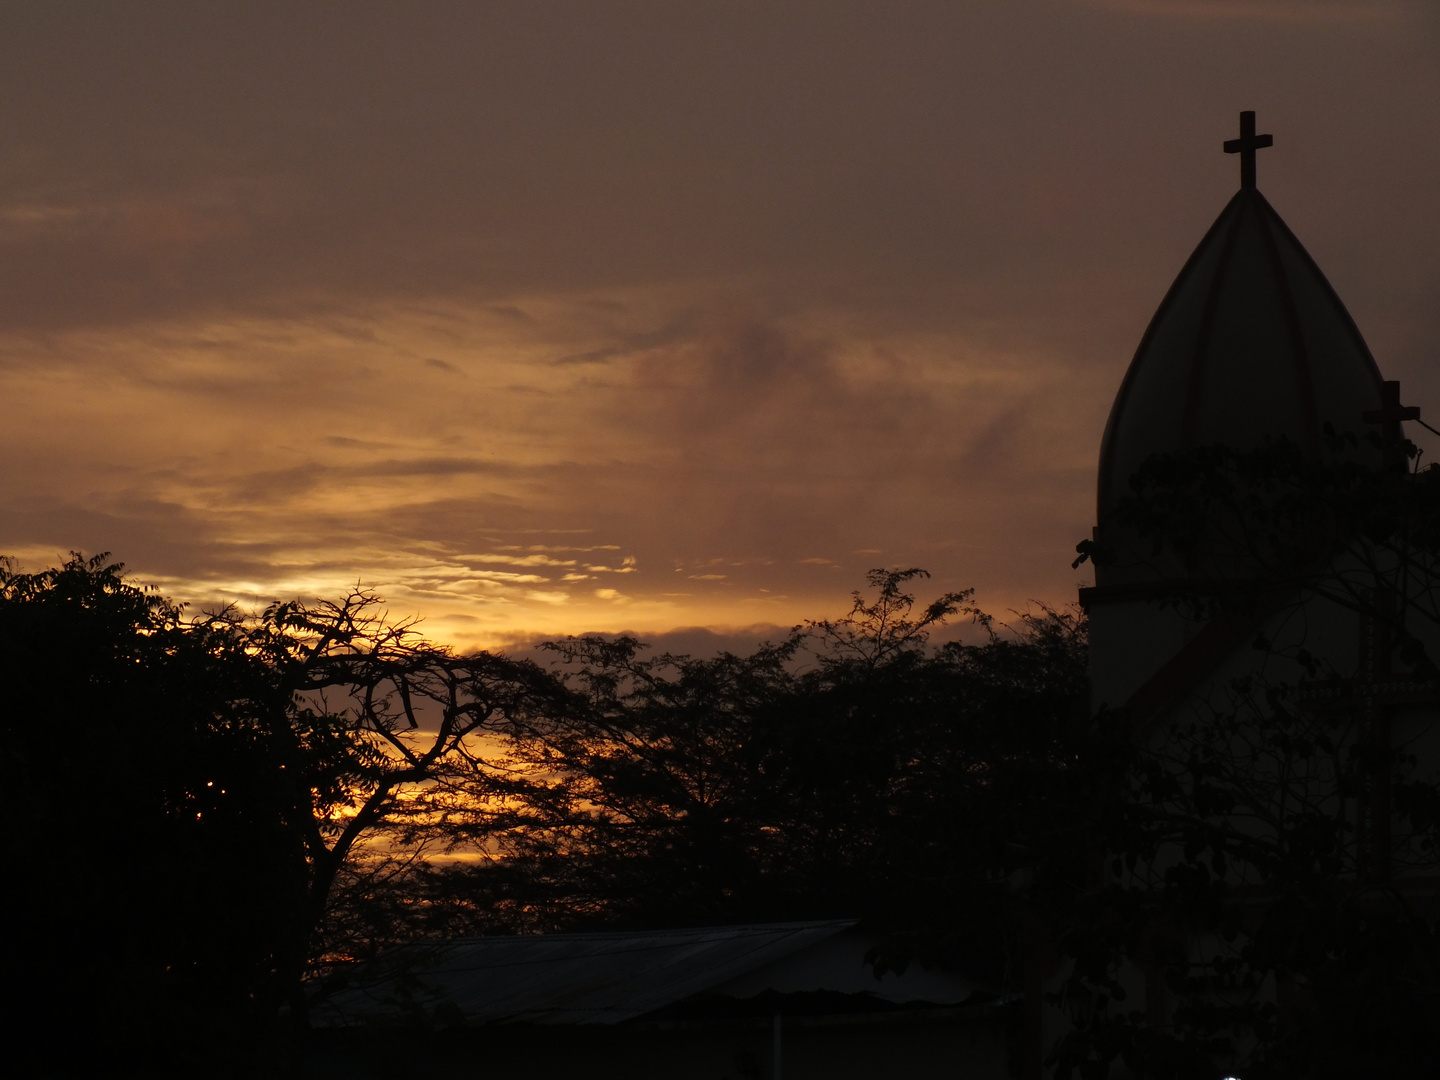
(215, 815)
(215, 818)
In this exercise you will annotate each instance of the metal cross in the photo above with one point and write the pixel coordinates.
(1245, 146)
(1389, 416)
(1391, 411)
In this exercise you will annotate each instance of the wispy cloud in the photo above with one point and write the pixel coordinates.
(520, 560)
(1276, 11)
(724, 308)
(730, 440)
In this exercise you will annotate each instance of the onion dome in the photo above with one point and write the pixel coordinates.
(1250, 342)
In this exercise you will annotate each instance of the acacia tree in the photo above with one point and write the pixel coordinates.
(205, 806)
(405, 733)
(852, 769)
(650, 793)
(157, 875)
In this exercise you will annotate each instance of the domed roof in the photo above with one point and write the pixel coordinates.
(1250, 341)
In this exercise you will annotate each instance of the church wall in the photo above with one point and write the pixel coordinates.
(1281, 696)
(1133, 640)
(1129, 641)
(1236, 690)
(1333, 634)
(1415, 731)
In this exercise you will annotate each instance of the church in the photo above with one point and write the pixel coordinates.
(1250, 344)
(1261, 628)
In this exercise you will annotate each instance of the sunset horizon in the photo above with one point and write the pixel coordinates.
(648, 318)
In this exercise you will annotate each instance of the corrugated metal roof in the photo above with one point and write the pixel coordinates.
(566, 978)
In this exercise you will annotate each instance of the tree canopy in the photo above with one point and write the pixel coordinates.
(203, 806)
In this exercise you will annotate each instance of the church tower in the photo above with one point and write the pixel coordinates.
(1288, 681)
(1250, 343)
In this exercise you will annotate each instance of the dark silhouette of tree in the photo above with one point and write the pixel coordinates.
(852, 769)
(155, 876)
(207, 810)
(230, 811)
(403, 730)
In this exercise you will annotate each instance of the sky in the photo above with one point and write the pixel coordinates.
(543, 318)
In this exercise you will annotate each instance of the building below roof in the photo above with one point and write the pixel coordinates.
(714, 1002)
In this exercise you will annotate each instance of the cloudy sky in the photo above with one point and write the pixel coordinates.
(546, 317)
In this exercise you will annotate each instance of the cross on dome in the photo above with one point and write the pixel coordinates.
(1250, 343)
(1245, 146)
(1391, 411)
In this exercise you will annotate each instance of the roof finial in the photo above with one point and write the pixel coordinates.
(1245, 146)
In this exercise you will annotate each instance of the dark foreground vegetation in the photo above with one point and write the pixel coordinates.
(213, 818)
